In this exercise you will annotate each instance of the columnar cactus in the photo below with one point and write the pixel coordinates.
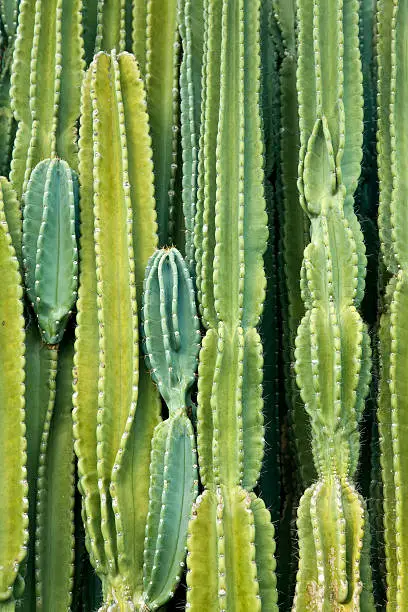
(172, 341)
(392, 101)
(191, 20)
(230, 559)
(50, 261)
(13, 478)
(8, 27)
(332, 345)
(45, 85)
(116, 405)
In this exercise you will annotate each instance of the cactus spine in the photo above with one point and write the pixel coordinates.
(230, 560)
(392, 100)
(332, 345)
(13, 502)
(116, 406)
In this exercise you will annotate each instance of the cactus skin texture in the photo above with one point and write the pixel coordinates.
(13, 501)
(230, 559)
(45, 85)
(172, 341)
(332, 345)
(49, 245)
(392, 408)
(116, 406)
(8, 27)
(191, 25)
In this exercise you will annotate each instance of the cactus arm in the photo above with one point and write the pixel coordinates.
(20, 94)
(139, 25)
(191, 24)
(162, 51)
(85, 378)
(264, 554)
(116, 292)
(13, 503)
(13, 215)
(49, 246)
(173, 489)
(229, 547)
(8, 14)
(110, 29)
(140, 167)
(49, 40)
(37, 368)
(55, 547)
(392, 99)
(90, 23)
(172, 335)
(135, 459)
(204, 230)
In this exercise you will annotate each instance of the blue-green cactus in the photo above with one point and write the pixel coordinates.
(172, 342)
(49, 245)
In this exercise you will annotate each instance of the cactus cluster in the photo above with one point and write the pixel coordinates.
(202, 356)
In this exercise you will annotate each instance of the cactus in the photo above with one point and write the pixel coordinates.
(50, 260)
(116, 406)
(45, 85)
(226, 568)
(172, 340)
(392, 99)
(8, 25)
(192, 34)
(13, 502)
(332, 345)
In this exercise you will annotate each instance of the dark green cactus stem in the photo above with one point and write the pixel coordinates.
(13, 501)
(225, 569)
(116, 405)
(161, 75)
(45, 85)
(392, 410)
(332, 345)
(8, 26)
(172, 341)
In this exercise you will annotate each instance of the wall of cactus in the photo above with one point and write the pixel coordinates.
(203, 305)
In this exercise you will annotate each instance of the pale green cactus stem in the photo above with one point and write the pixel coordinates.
(230, 559)
(13, 501)
(172, 341)
(191, 24)
(45, 85)
(161, 76)
(392, 149)
(116, 404)
(332, 345)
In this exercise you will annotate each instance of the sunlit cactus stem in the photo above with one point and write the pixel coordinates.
(332, 344)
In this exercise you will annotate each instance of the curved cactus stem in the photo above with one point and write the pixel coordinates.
(110, 415)
(162, 55)
(48, 41)
(13, 500)
(55, 530)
